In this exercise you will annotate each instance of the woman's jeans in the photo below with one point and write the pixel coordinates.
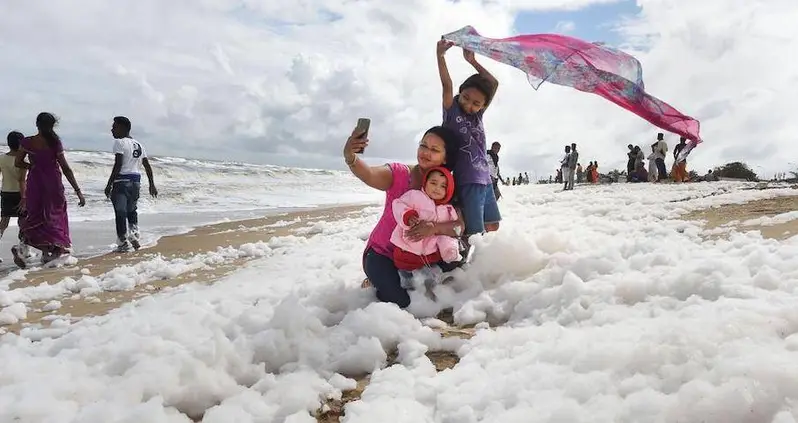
(384, 277)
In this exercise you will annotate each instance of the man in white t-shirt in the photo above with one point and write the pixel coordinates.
(573, 160)
(564, 168)
(124, 184)
(660, 151)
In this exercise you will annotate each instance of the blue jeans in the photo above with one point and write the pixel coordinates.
(479, 207)
(662, 171)
(125, 197)
(384, 277)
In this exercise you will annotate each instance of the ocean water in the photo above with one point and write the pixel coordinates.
(194, 193)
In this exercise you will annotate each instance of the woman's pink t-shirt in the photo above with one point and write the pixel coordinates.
(380, 238)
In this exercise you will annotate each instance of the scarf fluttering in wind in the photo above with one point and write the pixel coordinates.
(588, 67)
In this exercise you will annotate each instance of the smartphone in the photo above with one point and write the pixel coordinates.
(363, 125)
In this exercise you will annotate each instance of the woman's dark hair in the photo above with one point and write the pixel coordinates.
(46, 122)
(451, 141)
(481, 84)
(14, 138)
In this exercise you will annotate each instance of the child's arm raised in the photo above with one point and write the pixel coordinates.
(472, 60)
(443, 71)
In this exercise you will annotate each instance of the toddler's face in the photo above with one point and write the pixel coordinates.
(471, 100)
(436, 185)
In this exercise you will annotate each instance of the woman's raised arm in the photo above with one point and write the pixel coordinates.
(377, 177)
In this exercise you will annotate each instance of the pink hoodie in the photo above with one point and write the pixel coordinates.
(417, 201)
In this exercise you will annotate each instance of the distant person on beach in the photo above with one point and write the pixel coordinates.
(573, 159)
(652, 165)
(418, 259)
(640, 157)
(660, 152)
(493, 164)
(640, 174)
(710, 177)
(438, 147)
(679, 169)
(124, 185)
(463, 114)
(630, 162)
(565, 171)
(594, 174)
(45, 221)
(589, 172)
(10, 197)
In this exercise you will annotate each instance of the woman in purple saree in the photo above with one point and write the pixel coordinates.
(45, 224)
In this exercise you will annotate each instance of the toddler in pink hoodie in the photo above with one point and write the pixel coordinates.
(418, 259)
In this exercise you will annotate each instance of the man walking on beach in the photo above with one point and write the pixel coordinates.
(573, 159)
(660, 150)
(564, 168)
(124, 184)
(493, 165)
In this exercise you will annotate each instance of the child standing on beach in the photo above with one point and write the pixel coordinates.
(418, 259)
(463, 113)
(10, 197)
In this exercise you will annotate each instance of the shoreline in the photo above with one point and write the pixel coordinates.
(152, 237)
(97, 285)
(262, 214)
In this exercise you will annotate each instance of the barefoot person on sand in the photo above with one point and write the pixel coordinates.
(438, 147)
(9, 195)
(45, 222)
(124, 184)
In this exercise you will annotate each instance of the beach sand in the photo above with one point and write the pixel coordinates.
(733, 215)
(200, 240)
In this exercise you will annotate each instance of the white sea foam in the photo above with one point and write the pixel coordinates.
(591, 305)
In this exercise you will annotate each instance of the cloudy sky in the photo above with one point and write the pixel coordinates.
(283, 82)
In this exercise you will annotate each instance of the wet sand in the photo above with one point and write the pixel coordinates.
(734, 215)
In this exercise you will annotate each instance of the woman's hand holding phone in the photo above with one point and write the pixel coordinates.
(362, 129)
(355, 144)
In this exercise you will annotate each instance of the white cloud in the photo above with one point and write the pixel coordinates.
(259, 80)
(565, 27)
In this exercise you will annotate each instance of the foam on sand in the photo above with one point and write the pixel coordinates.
(101, 283)
(597, 304)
